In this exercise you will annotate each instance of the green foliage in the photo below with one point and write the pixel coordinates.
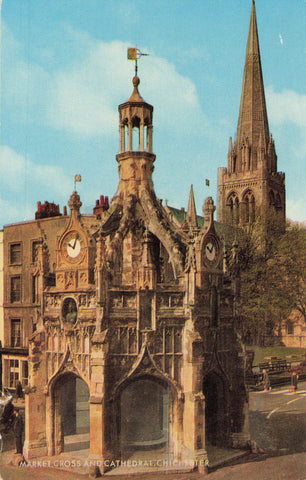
(272, 268)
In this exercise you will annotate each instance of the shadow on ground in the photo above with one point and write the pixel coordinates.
(281, 434)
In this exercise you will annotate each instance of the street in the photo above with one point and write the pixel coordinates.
(277, 420)
(277, 425)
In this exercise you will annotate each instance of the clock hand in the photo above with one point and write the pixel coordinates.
(210, 249)
(69, 245)
(75, 242)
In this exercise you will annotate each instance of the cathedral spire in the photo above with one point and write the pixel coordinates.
(253, 119)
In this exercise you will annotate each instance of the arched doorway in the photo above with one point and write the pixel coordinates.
(71, 413)
(216, 410)
(144, 416)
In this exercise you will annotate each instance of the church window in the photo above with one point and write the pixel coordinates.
(236, 211)
(247, 210)
(252, 209)
(249, 207)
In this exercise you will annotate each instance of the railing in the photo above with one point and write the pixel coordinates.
(279, 371)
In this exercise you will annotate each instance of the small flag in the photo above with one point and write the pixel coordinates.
(77, 178)
(207, 182)
(132, 53)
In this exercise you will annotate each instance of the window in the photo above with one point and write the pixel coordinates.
(35, 246)
(16, 289)
(15, 253)
(14, 373)
(34, 289)
(290, 328)
(16, 333)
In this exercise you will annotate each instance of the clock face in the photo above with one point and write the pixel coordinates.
(73, 247)
(211, 250)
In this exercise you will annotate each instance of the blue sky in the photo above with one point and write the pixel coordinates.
(64, 71)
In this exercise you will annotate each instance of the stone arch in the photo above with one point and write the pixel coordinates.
(135, 133)
(147, 414)
(67, 413)
(233, 208)
(69, 311)
(216, 391)
(248, 207)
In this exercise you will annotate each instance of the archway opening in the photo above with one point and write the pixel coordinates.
(72, 425)
(216, 411)
(144, 416)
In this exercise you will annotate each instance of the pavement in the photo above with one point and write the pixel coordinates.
(276, 419)
(289, 467)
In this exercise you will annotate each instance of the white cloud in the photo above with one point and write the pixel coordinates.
(296, 209)
(17, 171)
(286, 106)
(87, 94)
(24, 183)
(82, 98)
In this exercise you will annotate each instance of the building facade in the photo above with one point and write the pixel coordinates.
(251, 186)
(121, 324)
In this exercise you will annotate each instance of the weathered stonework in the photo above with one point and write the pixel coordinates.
(251, 185)
(142, 307)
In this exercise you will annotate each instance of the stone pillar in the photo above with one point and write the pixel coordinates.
(98, 441)
(194, 407)
(150, 138)
(35, 444)
(141, 137)
(122, 139)
(50, 425)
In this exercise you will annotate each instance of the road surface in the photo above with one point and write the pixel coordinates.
(277, 425)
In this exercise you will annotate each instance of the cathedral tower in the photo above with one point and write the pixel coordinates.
(251, 185)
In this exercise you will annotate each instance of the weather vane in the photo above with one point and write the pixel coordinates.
(135, 54)
(77, 178)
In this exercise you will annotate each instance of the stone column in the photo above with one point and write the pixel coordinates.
(141, 137)
(122, 139)
(150, 138)
(35, 444)
(194, 407)
(98, 442)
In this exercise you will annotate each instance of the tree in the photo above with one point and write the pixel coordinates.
(272, 270)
